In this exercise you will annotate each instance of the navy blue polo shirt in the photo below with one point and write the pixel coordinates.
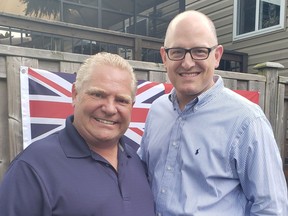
(59, 175)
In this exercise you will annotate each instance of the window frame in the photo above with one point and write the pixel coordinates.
(257, 31)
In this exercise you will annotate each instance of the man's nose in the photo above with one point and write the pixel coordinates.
(188, 61)
(109, 107)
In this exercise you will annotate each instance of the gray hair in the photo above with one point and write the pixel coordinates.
(104, 58)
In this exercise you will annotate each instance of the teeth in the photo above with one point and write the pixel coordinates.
(189, 74)
(105, 121)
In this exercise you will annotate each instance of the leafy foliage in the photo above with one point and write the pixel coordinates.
(41, 8)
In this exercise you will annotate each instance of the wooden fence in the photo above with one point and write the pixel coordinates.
(272, 87)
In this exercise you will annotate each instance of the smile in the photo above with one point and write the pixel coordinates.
(189, 74)
(105, 121)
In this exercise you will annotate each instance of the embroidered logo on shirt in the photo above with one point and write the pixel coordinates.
(197, 151)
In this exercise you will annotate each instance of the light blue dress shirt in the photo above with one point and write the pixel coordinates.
(217, 157)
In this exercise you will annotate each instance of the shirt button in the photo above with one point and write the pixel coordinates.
(169, 168)
(159, 214)
(163, 191)
(174, 144)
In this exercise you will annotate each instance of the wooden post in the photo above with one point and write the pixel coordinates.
(14, 102)
(270, 71)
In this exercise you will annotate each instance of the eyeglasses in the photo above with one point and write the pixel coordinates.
(196, 53)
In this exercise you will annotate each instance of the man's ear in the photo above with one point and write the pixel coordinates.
(218, 55)
(163, 55)
(74, 94)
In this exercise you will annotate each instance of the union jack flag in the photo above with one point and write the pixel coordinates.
(46, 102)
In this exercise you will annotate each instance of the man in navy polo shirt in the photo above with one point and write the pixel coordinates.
(86, 168)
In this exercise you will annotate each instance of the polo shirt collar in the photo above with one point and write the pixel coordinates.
(74, 146)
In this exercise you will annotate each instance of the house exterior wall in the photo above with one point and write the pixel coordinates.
(267, 47)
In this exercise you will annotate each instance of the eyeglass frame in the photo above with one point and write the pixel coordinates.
(210, 49)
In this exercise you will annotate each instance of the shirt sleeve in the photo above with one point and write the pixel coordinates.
(259, 167)
(22, 193)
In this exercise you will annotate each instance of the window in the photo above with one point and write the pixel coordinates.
(234, 61)
(253, 17)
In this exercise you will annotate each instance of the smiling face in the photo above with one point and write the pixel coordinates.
(191, 77)
(102, 106)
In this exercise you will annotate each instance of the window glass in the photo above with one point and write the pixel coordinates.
(254, 17)
(269, 14)
(247, 16)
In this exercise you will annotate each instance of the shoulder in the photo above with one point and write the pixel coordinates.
(41, 150)
(161, 100)
(161, 105)
(240, 103)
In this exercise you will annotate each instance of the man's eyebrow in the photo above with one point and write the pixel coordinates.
(126, 97)
(92, 90)
(119, 96)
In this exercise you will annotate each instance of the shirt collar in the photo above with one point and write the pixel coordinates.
(203, 98)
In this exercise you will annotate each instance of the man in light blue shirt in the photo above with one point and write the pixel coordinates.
(209, 151)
